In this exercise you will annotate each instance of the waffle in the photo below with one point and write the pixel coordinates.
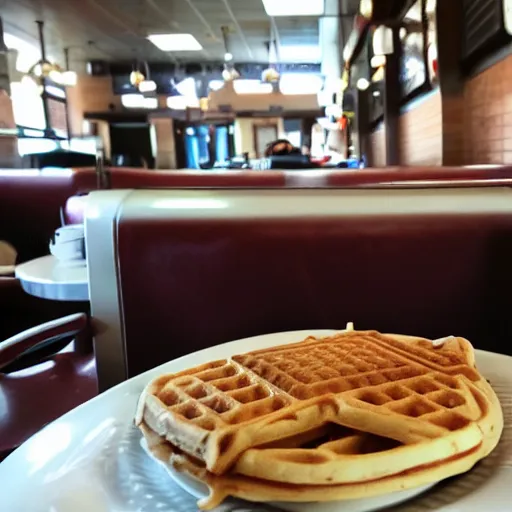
(260, 490)
(430, 399)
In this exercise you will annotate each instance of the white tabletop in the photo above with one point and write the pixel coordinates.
(49, 278)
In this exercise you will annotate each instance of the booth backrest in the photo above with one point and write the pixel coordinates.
(139, 178)
(174, 271)
(315, 178)
(30, 204)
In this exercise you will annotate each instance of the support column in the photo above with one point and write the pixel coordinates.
(165, 144)
(306, 129)
(362, 122)
(392, 88)
(44, 96)
(451, 81)
(9, 156)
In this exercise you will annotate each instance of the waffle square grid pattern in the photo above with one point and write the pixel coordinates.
(224, 393)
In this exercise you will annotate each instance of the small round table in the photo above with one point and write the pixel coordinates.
(49, 278)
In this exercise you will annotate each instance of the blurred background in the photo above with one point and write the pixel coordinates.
(210, 83)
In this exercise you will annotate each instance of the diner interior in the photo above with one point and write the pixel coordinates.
(178, 174)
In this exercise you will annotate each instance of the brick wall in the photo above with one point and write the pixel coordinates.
(378, 147)
(421, 132)
(91, 94)
(488, 116)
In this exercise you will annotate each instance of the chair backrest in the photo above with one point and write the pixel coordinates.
(174, 271)
(30, 204)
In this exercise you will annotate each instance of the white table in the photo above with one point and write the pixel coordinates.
(49, 278)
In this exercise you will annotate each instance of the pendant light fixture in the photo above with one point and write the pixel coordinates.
(229, 73)
(4, 62)
(140, 79)
(44, 70)
(271, 74)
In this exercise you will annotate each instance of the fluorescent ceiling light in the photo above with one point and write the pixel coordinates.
(294, 7)
(252, 87)
(300, 53)
(175, 42)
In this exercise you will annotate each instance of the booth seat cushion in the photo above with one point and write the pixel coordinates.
(34, 397)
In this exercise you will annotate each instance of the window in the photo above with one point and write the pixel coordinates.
(27, 106)
(418, 37)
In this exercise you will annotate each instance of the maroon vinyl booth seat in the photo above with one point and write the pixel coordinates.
(131, 178)
(187, 283)
(30, 207)
(39, 387)
(204, 283)
(43, 385)
(30, 204)
(138, 178)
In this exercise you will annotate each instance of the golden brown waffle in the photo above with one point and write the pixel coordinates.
(253, 489)
(391, 386)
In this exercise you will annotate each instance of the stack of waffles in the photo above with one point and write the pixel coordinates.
(353, 415)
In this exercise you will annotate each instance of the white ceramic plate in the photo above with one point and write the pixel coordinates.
(91, 460)
(199, 490)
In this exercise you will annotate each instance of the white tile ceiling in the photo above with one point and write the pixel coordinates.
(118, 28)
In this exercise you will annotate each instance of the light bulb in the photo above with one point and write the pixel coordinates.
(136, 77)
(270, 75)
(363, 84)
(228, 57)
(37, 70)
(378, 61)
(55, 76)
(69, 78)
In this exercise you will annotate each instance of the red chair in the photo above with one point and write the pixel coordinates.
(42, 376)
